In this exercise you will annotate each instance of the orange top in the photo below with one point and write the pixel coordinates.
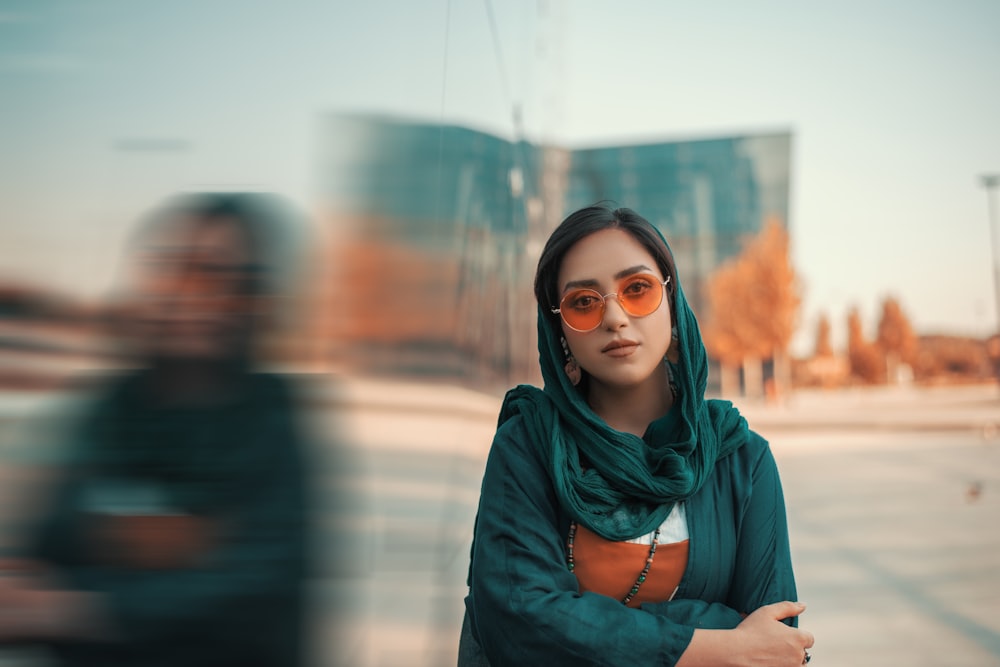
(611, 568)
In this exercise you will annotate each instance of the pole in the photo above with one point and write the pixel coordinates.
(991, 182)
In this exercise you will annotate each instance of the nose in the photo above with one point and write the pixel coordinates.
(615, 316)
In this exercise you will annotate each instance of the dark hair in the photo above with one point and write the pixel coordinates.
(583, 223)
(257, 217)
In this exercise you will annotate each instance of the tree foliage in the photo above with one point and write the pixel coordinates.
(864, 358)
(753, 300)
(895, 335)
(823, 346)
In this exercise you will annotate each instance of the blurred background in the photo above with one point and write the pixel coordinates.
(826, 176)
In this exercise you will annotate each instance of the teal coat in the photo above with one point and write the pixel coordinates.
(243, 465)
(524, 606)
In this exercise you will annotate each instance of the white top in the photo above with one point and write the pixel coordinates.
(673, 529)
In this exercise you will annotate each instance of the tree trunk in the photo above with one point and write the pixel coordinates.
(782, 375)
(753, 378)
(729, 381)
(892, 367)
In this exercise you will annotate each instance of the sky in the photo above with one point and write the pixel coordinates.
(106, 106)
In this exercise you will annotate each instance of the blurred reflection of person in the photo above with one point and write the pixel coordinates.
(177, 533)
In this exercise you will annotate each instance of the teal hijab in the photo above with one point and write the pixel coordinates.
(617, 484)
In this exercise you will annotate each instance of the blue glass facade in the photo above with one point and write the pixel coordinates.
(421, 178)
(706, 196)
(474, 209)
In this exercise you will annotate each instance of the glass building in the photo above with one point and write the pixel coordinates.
(707, 196)
(441, 227)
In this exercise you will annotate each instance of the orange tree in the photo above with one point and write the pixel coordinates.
(823, 346)
(895, 338)
(753, 301)
(863, 356)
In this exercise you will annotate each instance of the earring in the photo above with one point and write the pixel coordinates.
(572, 369)
(674, 349)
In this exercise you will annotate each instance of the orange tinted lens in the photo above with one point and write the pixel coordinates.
(582, 309)
(640, 295)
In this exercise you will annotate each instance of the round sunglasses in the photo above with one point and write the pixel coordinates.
(639, 295)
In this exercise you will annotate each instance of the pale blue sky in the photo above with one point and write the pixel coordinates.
(895, 109)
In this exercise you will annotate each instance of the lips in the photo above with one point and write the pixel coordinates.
(620, 347)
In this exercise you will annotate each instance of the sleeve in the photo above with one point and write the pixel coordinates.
(696, 613)
(763, 569)
(249, 586)
(525, 605)
(252, 580)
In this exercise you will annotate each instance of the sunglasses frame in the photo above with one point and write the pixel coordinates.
(604, 301)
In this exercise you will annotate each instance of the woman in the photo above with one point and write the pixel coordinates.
(624, 519)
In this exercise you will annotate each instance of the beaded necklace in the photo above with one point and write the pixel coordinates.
(642, 575)
(656, 535)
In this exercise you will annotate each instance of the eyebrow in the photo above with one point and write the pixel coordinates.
(591, 282)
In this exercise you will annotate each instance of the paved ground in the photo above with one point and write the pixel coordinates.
(894, 503)
(893, 497)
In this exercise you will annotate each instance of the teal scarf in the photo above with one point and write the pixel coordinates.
(617, 484)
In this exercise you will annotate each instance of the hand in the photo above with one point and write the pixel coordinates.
(20, 583)
(34, 607)
(154, 542)
(768, 641)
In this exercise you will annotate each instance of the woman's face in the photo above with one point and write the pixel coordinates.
(623, 351)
